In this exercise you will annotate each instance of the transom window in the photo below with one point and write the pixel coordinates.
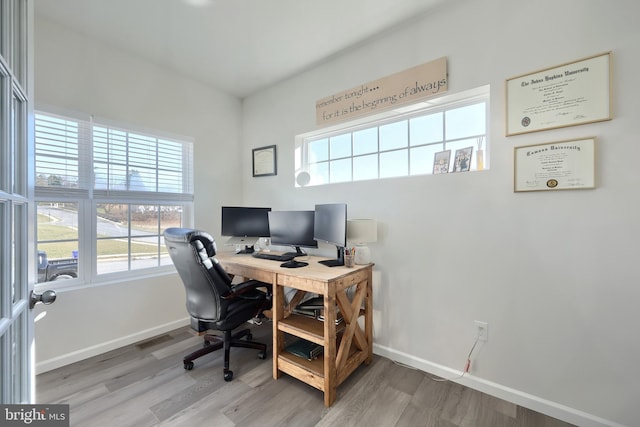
(400, 144)
(104, 195)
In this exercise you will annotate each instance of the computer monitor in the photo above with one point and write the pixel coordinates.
(245, 225)
(330, 226)
(292, 228)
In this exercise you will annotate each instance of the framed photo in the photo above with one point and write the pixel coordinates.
(570, 94)
(563, 165)
(264, 161)
(462, 160)
(441, 162)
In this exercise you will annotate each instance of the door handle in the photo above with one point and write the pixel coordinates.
(47, 297)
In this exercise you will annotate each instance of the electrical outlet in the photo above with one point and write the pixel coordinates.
(482, 330)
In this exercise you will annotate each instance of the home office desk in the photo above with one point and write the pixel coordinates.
(346, 346)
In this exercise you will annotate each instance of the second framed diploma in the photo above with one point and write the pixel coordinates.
(562, 165)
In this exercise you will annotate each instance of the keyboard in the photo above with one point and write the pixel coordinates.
(288, 256)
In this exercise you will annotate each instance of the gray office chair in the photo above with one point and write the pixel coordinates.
(213, 302)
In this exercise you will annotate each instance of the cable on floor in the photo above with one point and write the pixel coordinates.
(467, 365)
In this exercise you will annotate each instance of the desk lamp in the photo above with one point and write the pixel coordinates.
(360, 232)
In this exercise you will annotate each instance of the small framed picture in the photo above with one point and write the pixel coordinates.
(462, 160)
(441, 162)
(264, 161)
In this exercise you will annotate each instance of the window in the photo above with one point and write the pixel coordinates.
(398, 143)
(104, 196)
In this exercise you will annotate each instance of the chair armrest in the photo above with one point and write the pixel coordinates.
(240, 289)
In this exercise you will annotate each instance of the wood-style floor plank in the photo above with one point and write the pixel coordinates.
(144, 384)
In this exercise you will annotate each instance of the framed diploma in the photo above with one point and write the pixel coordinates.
(570, 94)
(563, 165)
(264, 161)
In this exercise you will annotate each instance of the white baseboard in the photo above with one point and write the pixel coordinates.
(535, 403)
(85, 353)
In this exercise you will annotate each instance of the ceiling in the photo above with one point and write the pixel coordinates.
(239, 46)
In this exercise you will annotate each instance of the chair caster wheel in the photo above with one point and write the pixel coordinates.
(262, 355)
(188, 366)
(228, 376)
(206, 344)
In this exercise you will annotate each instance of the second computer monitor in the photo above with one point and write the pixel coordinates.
(292, 228)
(331, 227)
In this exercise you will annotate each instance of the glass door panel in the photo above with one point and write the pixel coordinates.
(16, 207)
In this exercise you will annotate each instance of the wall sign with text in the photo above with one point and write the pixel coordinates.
(409, 86)
(567, 95)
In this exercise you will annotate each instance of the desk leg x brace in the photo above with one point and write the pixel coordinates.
(350, 312)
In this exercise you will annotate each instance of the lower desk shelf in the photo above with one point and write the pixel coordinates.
(312, 371)
(308, 371)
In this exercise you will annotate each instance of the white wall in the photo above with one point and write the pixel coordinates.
(552, 273)
(75, 72)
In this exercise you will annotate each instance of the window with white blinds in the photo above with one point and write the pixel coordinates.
(134, 162)
(105, 194)
(58, 152)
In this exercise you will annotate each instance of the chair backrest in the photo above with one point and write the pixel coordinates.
(193, 255)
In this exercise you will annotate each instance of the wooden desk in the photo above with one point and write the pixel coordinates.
(345, 346)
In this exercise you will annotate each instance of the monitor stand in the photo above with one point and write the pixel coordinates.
(247, 250)
(335, 262)
(297, 253)
(294, 264)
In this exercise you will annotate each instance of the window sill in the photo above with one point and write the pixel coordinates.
(70, 285)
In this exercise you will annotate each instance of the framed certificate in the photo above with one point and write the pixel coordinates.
(264, 161)
(570, 94)
(563, 165)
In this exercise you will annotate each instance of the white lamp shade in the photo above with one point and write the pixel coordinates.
(362, 230)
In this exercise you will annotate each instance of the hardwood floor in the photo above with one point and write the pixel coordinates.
(145, 385)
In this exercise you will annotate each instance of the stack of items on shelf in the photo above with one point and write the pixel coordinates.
(314, 308)
(305, 349)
